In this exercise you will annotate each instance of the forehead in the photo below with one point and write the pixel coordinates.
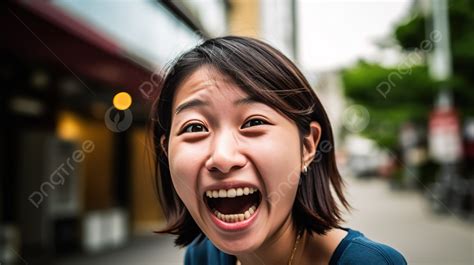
(207, 83)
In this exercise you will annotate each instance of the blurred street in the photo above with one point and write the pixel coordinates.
(77, 168)
(403, 220)
(152, 249)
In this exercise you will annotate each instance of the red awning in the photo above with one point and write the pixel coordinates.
(39, 31)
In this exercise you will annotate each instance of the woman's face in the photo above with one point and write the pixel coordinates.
(223, 146)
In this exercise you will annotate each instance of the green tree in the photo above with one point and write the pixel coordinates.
(406, 92)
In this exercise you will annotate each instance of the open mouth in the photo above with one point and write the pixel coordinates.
(233, 205)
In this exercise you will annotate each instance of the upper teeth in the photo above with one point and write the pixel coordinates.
(230, 193)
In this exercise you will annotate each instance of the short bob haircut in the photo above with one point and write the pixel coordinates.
(269, 76)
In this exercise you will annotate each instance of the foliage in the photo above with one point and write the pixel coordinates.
(407, 93)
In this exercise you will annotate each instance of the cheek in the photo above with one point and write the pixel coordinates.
(279, 162)
(185, 163)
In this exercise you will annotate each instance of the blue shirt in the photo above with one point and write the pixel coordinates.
(354, 249)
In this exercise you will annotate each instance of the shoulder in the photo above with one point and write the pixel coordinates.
(204, 252)
(358, 249)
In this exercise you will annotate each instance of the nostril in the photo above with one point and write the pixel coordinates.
(225, 168)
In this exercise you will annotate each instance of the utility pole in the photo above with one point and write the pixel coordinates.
(444, 126)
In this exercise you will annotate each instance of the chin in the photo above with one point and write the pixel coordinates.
(238, 247)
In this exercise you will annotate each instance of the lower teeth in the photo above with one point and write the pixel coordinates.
(233, 218)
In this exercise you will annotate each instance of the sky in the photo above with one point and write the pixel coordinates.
(335, 33)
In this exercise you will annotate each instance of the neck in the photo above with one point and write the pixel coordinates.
(276, 250)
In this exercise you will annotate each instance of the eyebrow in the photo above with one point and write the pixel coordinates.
(197, 102)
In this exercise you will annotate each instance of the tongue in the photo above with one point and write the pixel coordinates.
(233, 205)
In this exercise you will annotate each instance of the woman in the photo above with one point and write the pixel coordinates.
(246, 170)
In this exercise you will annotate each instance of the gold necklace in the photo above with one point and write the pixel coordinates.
(295, 247)
(290, 262)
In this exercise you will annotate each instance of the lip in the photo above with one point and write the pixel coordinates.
(234, 227)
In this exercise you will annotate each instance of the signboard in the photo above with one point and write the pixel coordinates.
(444, 136)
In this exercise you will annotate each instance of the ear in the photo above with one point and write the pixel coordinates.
(310, 143)
(163, 144)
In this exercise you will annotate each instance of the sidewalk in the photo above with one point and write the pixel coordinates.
(143, 250)
(403, 220)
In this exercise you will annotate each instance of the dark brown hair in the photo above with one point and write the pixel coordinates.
(269, 76)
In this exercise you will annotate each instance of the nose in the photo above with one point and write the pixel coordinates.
(225, 153)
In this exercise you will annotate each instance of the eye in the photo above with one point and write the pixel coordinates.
(254, 122)
(194, 127)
